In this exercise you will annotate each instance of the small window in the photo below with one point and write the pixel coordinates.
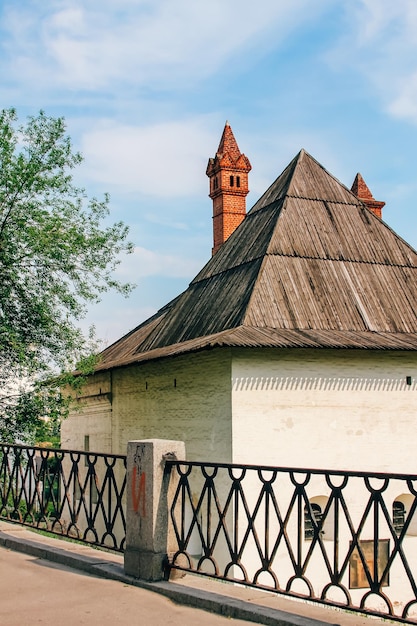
(237, 181)
(358, 574)
(86, 448)
(232, 181)
(398, 516)
(312, 521)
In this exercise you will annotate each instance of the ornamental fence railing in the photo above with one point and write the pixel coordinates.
(345, 539)
(339, 538)
(66, 492)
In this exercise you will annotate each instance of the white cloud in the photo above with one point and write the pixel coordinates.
(169, 159)
(166, 159)
(381, 43)
(404, 105)
(144, 262)
(78, 45)
(112, 322)
(166, 221)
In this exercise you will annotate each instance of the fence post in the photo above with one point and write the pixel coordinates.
(148, 540)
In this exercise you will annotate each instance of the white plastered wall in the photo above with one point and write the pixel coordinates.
(339, 409)
(91, 417)
(351, 410)
(186, 399)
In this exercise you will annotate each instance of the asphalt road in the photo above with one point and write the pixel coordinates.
(34, 591)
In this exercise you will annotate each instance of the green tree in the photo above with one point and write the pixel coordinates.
(57, 254)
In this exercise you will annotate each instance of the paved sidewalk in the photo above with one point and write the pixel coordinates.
(59, 581)
(38, 591)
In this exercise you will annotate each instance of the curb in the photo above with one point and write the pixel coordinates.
(181, 594)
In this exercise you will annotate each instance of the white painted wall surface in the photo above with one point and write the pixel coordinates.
(325, 409)
(91, 417)
(186, 399)
(342, 409)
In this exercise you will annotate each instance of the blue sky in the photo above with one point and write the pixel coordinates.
(147, 85)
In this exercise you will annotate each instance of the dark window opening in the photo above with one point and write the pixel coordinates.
(232, 181)
(237, 181)
(398, 516)
(312, 521)
(86, 448)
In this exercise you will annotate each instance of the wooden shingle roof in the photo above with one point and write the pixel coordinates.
(310, 266)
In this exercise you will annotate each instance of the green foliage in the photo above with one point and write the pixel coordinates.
(57, 254)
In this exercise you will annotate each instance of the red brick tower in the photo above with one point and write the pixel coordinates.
(228, 173)
(361, 191)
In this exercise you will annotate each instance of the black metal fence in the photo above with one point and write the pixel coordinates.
(347, 539)
(66, 492)
(339, 538)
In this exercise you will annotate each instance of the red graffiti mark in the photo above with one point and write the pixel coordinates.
(138, 492)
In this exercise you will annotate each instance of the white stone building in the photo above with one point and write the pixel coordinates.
(295, 345)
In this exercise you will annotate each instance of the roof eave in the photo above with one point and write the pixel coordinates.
(250, 337)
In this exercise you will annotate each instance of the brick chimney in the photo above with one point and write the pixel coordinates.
(228, 174)
(362, 192)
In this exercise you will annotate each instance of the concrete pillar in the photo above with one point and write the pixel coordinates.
(149, 492)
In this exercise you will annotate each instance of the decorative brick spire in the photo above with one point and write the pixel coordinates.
(228, 173)
(363, 193)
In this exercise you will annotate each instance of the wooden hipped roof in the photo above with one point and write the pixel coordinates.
(310, 266)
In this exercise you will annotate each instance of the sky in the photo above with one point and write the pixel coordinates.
(146, 87)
